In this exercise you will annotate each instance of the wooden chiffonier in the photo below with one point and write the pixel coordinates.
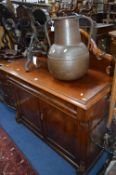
(69, 116)
(64, 114)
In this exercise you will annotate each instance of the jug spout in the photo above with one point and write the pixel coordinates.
(67, 31)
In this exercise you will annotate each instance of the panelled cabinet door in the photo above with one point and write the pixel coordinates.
(29, 107)
(60, 129)
(6, 91)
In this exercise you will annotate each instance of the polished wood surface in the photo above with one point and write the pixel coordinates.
(80, 92)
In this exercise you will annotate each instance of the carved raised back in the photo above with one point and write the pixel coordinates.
(98, 59)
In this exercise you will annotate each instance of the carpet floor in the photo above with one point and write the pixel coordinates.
(12, 160)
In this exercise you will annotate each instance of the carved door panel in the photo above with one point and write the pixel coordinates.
(29, 107)
(60, 129)
(6, 91)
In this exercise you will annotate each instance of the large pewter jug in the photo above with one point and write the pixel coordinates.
(68, 57)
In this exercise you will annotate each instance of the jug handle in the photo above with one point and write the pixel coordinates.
(46, 32)
(91, 28)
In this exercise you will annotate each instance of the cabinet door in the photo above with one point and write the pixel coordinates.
(28, 107)
(6, 91)
(60, 129)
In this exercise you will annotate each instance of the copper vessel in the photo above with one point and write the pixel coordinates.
(68, 57)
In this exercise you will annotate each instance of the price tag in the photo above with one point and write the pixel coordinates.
(52, 28)
(16, 47)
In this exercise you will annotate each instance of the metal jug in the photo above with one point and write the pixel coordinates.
(68, 57)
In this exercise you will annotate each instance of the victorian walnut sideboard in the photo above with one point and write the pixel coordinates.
(69, 116)
(63, 114)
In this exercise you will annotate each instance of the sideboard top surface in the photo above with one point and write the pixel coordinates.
(83, 92)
